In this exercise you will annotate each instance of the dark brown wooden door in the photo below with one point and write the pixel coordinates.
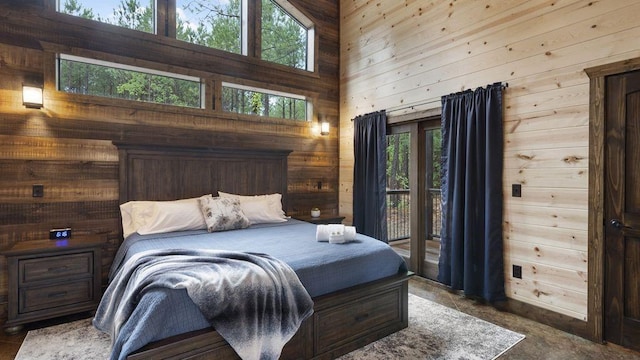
(622, 211)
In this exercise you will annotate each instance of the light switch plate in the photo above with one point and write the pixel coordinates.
(37, 190)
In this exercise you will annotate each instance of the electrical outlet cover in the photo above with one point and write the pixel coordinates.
(517, 271)
(37, 190)
(516, 190)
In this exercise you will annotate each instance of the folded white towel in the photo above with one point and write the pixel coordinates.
(349, 233)
(335, 233)
(323, 232)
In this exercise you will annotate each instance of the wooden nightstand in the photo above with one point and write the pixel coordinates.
(49, 278)
(321, 220)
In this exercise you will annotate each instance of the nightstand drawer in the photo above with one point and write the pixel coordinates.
(56, 267)
(48, 278)
(45, 297)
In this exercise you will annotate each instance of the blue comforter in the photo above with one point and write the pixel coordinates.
(321, 267)
(254, 301)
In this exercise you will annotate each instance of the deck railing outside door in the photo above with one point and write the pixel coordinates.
(399, 219)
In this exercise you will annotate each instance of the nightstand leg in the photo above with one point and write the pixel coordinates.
(12, 330)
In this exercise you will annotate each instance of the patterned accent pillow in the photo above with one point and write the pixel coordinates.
(260, 208)
(222, 214)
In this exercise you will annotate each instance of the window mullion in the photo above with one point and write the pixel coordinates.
(167, 18)
(50, 5)
(254, 24)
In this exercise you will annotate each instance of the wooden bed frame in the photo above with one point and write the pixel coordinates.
(342, 321)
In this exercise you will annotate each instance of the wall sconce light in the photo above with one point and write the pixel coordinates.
(32, 96)
(324, 128)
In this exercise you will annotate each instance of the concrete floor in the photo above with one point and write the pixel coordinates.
(542, 342)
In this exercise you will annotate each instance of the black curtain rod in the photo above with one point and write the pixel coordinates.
(413, 106)
(505, 85)
(373, 112)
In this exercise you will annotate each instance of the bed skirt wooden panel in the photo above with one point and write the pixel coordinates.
(342, 322)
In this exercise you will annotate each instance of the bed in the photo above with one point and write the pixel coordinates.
(347, 314)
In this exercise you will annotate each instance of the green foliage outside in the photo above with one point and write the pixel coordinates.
(90, 79)
(398, 199)
(263, 104)
(284, 40)
(130, 14)
(398, 154)
(215, 26)
(398, 151)
(436, 174)
(72, 7)
(211, 23)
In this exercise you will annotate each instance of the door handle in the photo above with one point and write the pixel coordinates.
(619, 224)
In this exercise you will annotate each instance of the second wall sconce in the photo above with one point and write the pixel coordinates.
(32, 96)
(324, 128)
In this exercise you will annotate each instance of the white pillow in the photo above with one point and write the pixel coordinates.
(260, 208)
(222, 214)
(153, 217)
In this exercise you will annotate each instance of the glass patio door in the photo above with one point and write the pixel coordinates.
(398, 192)
(432, 218)
(413, 194)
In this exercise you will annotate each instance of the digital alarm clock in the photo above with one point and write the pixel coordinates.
(57, 234)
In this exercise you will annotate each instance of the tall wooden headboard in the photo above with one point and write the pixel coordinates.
(150, 172)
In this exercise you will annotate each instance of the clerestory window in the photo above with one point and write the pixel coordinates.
(85, 76)
(131, 14)
(287, 35)
(265, 103)
(212, 23)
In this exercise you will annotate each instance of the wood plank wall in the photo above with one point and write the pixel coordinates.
(399, 53)
(66, 146)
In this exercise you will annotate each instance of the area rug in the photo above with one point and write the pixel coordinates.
(434, 332)
(438, 332)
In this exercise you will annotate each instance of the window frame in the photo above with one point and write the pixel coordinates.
(157, 14)
(121, 66)
(165, 24)
(307, 99)
(171, 29)
(305, 22)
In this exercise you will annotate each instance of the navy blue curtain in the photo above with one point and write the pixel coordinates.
(471, 250)
(370, 175)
